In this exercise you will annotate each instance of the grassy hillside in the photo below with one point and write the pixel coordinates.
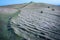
(31, 13)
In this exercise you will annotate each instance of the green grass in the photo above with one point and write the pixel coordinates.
(4, 19)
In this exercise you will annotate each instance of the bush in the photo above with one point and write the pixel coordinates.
(48, 7)
(41, 12)
(53, 9)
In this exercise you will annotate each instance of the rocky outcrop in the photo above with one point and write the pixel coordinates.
(38, 22)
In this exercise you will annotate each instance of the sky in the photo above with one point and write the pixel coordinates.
(9, 2)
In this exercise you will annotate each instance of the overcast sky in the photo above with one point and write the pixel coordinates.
(8, 2)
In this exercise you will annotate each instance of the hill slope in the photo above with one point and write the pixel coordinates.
(34, 21)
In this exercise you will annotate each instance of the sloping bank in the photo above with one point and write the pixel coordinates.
(5, 30)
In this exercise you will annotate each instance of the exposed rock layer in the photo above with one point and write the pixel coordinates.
(38, 22)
